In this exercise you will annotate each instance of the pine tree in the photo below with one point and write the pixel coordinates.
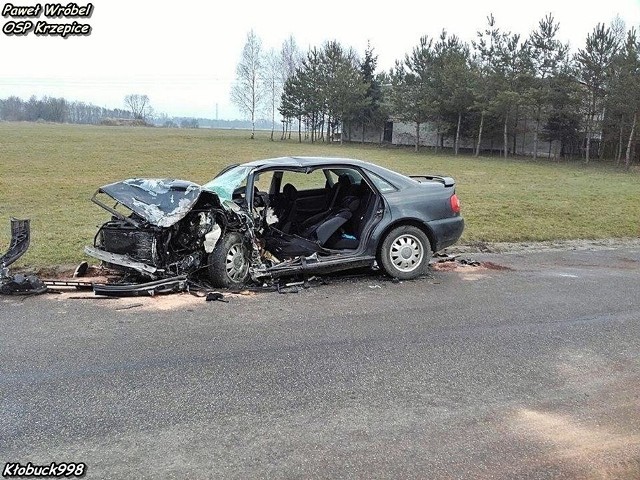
(594, 70)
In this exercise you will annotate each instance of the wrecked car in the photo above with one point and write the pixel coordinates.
(265, 219)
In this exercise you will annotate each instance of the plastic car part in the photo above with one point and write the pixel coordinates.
(20, 238)
(79, 285)
(20, 284)
(166, 285)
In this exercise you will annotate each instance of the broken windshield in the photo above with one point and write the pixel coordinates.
(225, 184)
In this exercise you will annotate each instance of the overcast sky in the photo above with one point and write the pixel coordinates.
(183, 54)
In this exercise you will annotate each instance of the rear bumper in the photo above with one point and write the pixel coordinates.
(446, 231)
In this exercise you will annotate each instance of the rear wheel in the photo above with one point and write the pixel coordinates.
(405, 252)
(229, 262)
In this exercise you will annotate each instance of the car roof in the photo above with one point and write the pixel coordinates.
(293, 162)
(302, 162)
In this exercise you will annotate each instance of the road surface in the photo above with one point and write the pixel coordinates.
(526, 367)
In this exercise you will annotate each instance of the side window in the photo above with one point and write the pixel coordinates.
(263, 181)
(314, 180)
(382, 185)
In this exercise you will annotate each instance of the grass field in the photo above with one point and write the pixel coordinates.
(49, 172)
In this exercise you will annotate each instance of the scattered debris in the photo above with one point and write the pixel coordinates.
(466, 265)
(216, 297)
(127, 307)
(445, 257)
(469, 262)
(77, 297)
(20, 284)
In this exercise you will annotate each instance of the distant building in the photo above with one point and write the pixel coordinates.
(395, 132)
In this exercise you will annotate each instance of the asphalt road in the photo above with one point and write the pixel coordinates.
(530, 372)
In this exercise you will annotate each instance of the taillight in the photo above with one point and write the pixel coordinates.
(455, 203)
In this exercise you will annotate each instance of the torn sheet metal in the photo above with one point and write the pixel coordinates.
(161, 202)
(122, 260)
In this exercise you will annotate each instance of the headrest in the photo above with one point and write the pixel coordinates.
(290, 191)
(344, 180)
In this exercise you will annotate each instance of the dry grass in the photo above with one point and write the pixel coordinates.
(49, 172)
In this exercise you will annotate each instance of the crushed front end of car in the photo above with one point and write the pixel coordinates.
(167, 230)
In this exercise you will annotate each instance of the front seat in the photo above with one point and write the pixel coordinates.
(289, 210)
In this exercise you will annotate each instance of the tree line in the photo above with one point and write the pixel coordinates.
(138, 111)
(498, 87)
(59, 110)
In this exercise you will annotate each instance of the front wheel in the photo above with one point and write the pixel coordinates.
(405, 252)
(229, 262)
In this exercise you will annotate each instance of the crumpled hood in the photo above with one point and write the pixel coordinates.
(160, 201)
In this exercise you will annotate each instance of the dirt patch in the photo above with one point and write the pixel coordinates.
(169, 302)
(447, 266)
(92, 274)
(591, 451)
(66, 272)
(163, 303)
(176, 301)
(552, 245)
(461, 267)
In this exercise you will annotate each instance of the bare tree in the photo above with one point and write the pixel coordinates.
(139, 105)
(247, 93)
(273, 84)
(291, 59)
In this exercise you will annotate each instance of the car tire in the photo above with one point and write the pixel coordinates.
(228, 264)
(405, 252)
